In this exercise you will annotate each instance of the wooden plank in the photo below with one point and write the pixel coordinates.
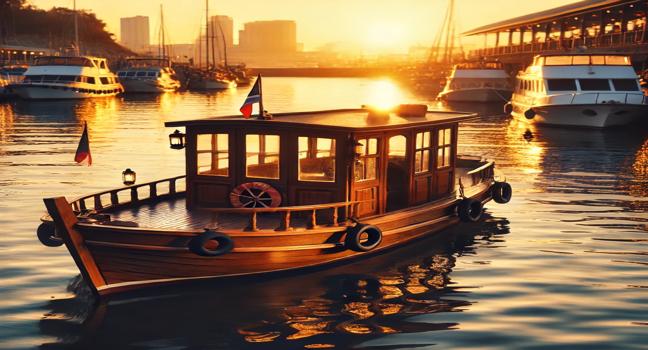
(65, 221)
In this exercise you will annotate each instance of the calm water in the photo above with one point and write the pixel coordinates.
(564, 265)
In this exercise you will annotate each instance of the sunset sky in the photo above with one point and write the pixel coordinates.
(382, 25)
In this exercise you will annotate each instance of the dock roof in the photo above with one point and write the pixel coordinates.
(533, 18)
(341, 119)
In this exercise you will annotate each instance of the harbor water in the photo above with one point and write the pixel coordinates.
(563, 266)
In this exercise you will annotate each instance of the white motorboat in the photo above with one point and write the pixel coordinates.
(477, 82)
(148, 75)
(73, 77)
(590, 90)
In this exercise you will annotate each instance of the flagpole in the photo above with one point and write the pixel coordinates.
(261, 115)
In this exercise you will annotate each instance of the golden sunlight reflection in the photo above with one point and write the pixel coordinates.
(528, 157)
(384, 94)
(638, 188)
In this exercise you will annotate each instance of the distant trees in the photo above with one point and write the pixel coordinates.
(22, 23)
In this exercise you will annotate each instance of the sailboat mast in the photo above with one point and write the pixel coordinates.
(215, 63)
(207, 31)
(164, 54)
(76, 30)
(220, 27)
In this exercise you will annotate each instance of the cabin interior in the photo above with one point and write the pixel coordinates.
(387, 166)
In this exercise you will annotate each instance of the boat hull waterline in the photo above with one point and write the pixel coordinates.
(594, 116)
(125, 258)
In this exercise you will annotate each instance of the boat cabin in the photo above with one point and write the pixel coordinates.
(389, 160)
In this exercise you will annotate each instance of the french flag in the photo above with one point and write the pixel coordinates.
(83, 150)
(253, 97)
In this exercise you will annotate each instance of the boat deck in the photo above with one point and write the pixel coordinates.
(173, 214)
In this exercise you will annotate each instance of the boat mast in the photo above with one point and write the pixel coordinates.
(220, 27)
(213, 46)
(76, 30)
(207, 31)
(163, 47)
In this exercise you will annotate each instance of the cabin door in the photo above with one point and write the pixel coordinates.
(398, 173)
(366, 176)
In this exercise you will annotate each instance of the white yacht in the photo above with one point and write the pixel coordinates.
(73, 77)
(148, 75)
(477, 82)
(591, 90)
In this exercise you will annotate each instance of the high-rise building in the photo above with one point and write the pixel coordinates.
(135, 33)
(272, 37)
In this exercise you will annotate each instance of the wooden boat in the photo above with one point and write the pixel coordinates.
(269, 195)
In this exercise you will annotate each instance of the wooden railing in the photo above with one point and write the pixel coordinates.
(286, 214)
(483, 173)
(101, 204)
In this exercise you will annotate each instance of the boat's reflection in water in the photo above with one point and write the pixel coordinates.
(339, 307)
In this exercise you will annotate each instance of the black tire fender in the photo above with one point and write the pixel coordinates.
(197, 245)
(46, 233)
(470, 210)
(362, 237)
(529, 113)
(502, 192)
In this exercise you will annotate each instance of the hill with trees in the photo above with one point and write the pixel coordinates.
(25, 25)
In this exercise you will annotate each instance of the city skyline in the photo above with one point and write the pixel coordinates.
(387, 26)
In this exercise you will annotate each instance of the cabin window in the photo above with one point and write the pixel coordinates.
(598, 60)
(130, 74)
(581, 60)
(558, 60)
(625, 84)
(367, 163)
(594, 84)
(561, 84)
(152, 74)
(617, 60)
(445, 148)
(104, 80)
(66, 78)
(91, 80)
(141, 74)
(316, 159)
(422, 152)
(102, 65)
(262, 156)
(213, 154)
(121, 74)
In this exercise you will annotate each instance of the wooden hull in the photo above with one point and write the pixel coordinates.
(117, 259)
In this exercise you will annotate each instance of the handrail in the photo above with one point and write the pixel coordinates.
(481, 174)
(286, 213)
(79, 204)
(488, 164)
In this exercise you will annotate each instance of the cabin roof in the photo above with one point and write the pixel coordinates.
(340, 119)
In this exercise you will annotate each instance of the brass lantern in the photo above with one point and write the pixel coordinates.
(129, 177)
(177, 139)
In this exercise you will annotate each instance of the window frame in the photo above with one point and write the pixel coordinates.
(312, 140)
(429, 148)
(366, 155)
(214, 142)
(280, 136)
(442, 148)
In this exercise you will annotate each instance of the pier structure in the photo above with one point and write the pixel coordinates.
(591, 25)
(15, 54)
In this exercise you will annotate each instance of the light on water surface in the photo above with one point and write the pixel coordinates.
(561, 266)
